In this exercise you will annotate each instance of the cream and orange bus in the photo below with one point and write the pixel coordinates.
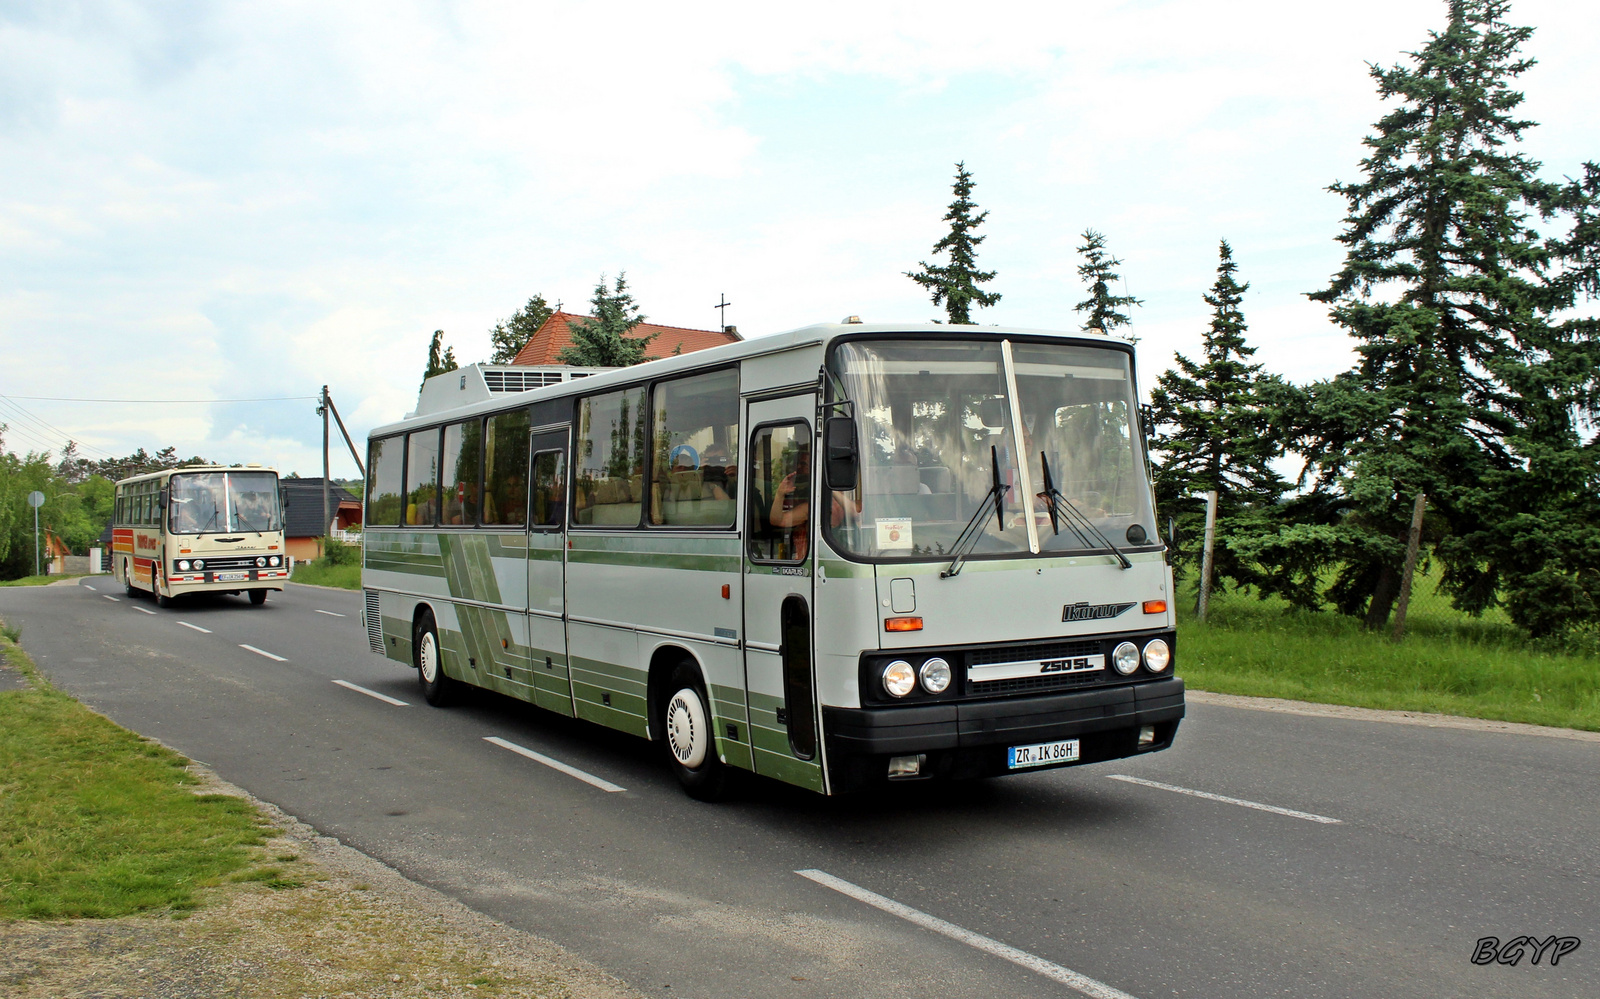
(200, 529)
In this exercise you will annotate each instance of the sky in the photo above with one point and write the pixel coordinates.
(213, 200)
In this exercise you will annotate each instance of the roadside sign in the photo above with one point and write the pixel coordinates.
(36, 499)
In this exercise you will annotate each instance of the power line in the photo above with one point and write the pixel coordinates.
(17, 411)
(160, 402)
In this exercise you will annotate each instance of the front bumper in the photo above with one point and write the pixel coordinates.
(969, 739)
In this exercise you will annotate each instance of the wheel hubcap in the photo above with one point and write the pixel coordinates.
(687, 732)
(429, 657)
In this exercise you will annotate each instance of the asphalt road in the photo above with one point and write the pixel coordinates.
(1443, 835)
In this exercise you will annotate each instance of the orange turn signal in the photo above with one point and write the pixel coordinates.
(902, 624)
(726, 591)
(1155, 606)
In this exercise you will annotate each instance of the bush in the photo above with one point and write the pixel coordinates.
(336, 552)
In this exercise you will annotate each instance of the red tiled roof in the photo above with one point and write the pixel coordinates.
(555, 334)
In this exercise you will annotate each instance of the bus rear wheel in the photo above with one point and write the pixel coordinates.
(691, 745)
(258, 597)
(437, 689)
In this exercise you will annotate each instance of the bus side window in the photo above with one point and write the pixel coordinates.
(608, 459)
(422, 478)
(505, 469)
(384, 467)
(549, 489)
(460, 468)
(694, 466)
(779, 523)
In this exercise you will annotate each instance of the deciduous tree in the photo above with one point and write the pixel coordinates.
(510, 335)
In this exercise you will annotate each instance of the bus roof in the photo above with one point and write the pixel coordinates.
(805, 336)
(166, 472)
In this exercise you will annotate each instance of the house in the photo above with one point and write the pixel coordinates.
(303, 529)
(535, 365)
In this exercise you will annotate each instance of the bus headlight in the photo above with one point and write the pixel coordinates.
(935, 675)
(899, 678)
(199, 564)
(1126, 658)
(277, 560)
(1156, 655)
(183, 565)
(261, 562)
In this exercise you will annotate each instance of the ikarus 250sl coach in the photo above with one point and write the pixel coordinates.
(842, 555)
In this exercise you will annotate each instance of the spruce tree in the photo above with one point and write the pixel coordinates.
(1098, 275)
(440, 357)
(955, 285)
(1215, 427)
(1452, 297)
(512, 334)
(606, 340)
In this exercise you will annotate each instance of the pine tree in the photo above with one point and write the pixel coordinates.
(607, 340)
(512, 334)
(1452, 297)
(1097, 273)
(955, 285)
(440, 357)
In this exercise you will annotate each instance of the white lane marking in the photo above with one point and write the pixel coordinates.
(196, 627)
(385, 698)
(143, 610)
(263, 652)
(89, 588)
(319, 610)
(1049, 969)
(570, 771)
(110, 598)
(1274, 809)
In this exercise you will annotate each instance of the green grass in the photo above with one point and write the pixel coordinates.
(98, 822)
(1448, 663)
(37, 580)
(316, 573)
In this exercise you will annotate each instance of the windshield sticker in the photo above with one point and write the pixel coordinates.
(893, 532)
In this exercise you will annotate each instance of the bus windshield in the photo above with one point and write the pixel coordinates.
(224, 502)
(936, 418)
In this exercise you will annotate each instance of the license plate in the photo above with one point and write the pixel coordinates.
(231, 577)
(1042, 753)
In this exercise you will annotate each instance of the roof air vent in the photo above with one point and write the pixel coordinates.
(852, 320)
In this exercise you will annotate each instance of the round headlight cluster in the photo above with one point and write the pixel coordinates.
(277, 560)
(1156, 655)
(935, 675)
(1125, 658)
(899, 678)
(199, 564)
(261, 561)
(183, 565)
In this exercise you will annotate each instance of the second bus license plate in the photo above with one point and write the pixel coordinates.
(231, 577)
(1042, 753)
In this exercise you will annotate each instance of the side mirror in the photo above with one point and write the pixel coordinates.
(992, 412)
(283, 498)
(163, 498)
(839, 446)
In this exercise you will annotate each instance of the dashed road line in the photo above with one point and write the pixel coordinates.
(262, 652)
(1274, 809)
(110, 598)
(196, 627)
(553, 764)
(385, 698)
(1049, 969)
(143, 610)
(319, 610)
(89, 588)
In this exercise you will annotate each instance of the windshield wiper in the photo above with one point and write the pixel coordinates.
(1082, 527)
(239, 514)
(968, 538)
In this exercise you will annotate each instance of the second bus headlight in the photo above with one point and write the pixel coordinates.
(183, 565)
(1126, 658)
(899, 678)
(935, 675)
(1156, 655)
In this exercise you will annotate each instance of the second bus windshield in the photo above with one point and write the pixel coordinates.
(224, 502)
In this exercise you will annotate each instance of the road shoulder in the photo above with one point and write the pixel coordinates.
(1424, 719)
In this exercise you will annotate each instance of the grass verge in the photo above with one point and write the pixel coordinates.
(347, 577)
(1480, 669)
(38, 580)
(96, 821)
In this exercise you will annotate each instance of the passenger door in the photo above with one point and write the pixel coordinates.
(779, 560)
(547, 568)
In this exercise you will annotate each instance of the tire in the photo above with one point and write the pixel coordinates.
(689, 740)
(164, 601)
(258, 597)
(127, 580)
(437, 689)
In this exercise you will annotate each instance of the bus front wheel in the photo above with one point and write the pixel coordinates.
(258, 597)
(436, 687)
(691, 746)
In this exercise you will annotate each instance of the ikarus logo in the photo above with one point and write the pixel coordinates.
(1086, 611)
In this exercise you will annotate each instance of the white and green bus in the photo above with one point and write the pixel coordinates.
(836, 556)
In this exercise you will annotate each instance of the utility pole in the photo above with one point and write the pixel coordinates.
(322, 410)
(1205, 555)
